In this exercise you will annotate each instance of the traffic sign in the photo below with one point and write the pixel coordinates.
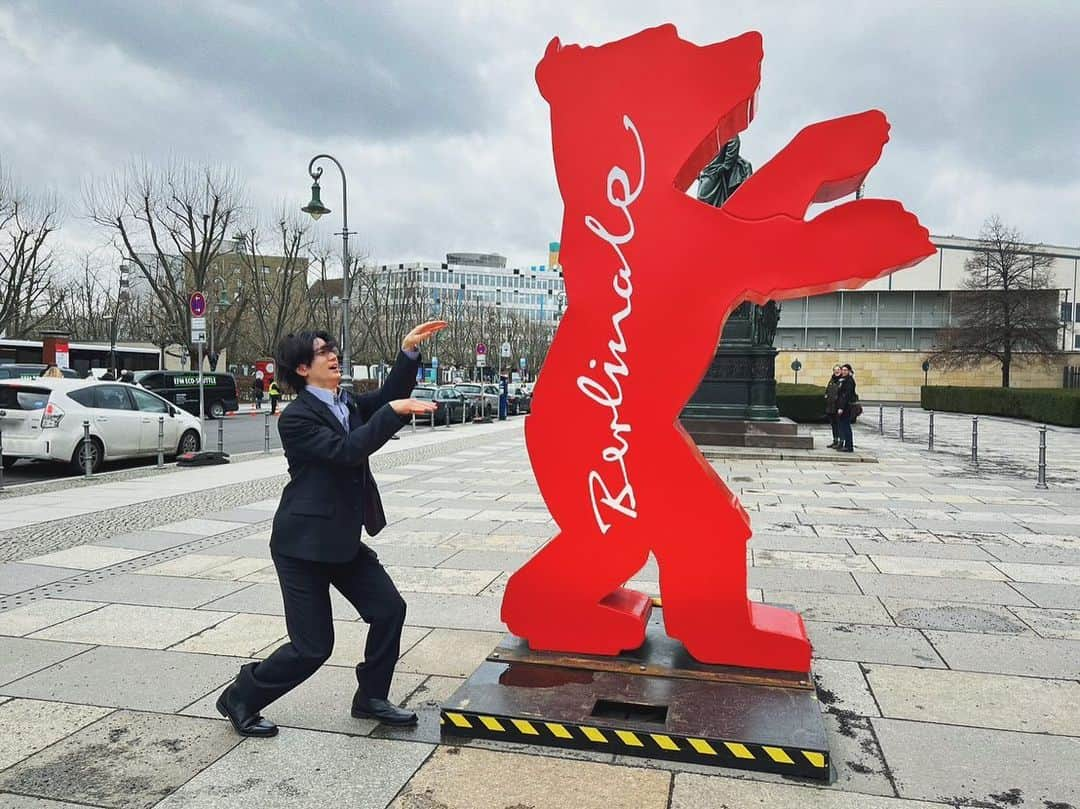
(481, 348)
(504, 350)
(198, 329)
(481, 360)
(197, 304)
(523, 363)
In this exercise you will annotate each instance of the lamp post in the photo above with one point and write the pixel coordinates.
(121, 295)
(315, 209)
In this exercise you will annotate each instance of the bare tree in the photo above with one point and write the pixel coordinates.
(275, 281)
(26, 261)
(170, 224)
(1007, 305)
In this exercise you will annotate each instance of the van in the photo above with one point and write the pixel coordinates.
(220, 394)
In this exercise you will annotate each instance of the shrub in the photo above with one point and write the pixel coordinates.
(801, 403)
(1047, 405)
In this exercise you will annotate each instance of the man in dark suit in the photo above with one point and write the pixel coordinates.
(328, 436)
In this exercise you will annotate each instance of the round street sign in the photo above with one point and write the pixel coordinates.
(481, 348)
(197, 304)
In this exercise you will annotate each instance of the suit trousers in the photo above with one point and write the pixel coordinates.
(844, 423)
(305, 589)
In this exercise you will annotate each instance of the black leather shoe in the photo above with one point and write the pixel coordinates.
(244, 722)
(383, 711)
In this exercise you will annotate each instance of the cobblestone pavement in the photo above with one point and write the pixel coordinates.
(942, 599)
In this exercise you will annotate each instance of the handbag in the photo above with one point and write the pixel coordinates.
(856, 410)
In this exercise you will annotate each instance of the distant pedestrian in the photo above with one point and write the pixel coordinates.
(257, 392)
(275, 395)
(128, 376)
(832, 390)
(846, 398)
(52, 372)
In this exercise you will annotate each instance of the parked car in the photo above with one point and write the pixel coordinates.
(472, 391)
(220, 393)
(43, 419)
(31, 370)
(520, 398)
(447, 400)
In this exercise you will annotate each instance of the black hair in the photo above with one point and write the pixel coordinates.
(295, 350)
(850, 369)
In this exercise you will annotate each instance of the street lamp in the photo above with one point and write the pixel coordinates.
(315, 209)
(114, 318)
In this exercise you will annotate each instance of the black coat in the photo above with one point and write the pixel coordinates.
(331, 495)
(846, 395)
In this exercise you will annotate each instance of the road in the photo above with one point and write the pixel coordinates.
(244, 431)
(241, 432)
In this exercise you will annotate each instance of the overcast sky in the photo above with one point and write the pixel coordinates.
(433, 109)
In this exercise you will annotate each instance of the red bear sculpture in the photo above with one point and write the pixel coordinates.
(651, 274)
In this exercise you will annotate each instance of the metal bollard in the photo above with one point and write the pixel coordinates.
(448, 416)
(88, 469)
(464, 407)
(1, 460)
(221, 434)
(160, 442)
(266, 432)
(901, 423)
(931, 447)
(414, 422)
(1042, 458)
(432, 417)
(881, 419)
(975, 440)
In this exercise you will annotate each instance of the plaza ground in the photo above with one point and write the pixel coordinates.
(942, 598)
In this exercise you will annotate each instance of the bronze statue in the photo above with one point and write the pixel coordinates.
(716, 183)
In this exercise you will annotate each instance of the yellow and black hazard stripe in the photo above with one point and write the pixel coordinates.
(786, 760)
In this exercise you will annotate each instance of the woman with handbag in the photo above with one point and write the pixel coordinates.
(831, 392)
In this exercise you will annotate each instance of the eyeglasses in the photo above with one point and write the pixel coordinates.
(327, 349)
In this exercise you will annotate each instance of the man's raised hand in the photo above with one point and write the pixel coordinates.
(422, 332)
(411, 407)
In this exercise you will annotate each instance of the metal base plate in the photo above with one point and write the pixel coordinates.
(701, 714)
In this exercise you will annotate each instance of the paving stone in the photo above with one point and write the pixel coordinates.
(812, 561)
(238, 569)
(1043, 574)
(939, 588)
(450, 652)
(140, 679)
(1005, 654)
(1055, 596)
(499, 560)
(255, 545)
(86, 557)
(152, 591)
(241, 636)
(305, 769)
(852, 609)
(495, 542)
(349, 640)
(321, 702)
(927, 550)
(951, 568)
(134, 626)
(693, 791)
(15, 577)
(189, 565)
(440, 580)
(856, 756)
(484, 779)
(248, 515)
(11, 801)
(813, 581)
(454, 612)
(953, 616)
(1064, 624)
(31, 725)
(147, 540)
(126, 760)
(979, 767)
(40, 614)
(434, 691)
(412, 555)
(812, 544)
(977, 700)
(265, 598)
(871, 644)
(22, 656)
(841, 687)
(201, 527)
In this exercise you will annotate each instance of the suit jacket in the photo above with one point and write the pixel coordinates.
(331, 495)
(846, 396)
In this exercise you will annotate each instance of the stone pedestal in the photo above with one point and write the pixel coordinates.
(783, 433)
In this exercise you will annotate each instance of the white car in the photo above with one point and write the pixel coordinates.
(43, 419)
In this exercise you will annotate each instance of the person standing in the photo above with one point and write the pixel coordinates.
(832, 390)
(845, 400)
(331, 497)
(257, 389)
(275, 395)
